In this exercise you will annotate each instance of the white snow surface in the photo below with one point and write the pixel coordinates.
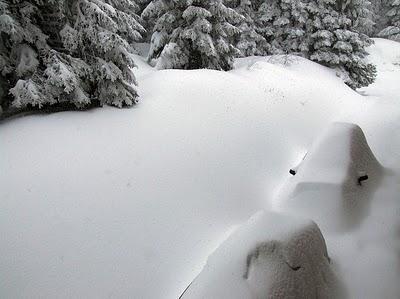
(129, 203)
(270, 256)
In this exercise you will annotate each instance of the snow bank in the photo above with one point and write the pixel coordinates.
(271, 256)
(333, 182)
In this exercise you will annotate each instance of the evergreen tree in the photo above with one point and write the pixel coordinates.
(147, 23)
(322, 31)
(379, 8)
(192, 34)
(362, 15)
(166, 16)
(337, 44)
(282, 23)
(101, 33)
(250, 42)
(392, 28)
(68, 52)
(21, 40)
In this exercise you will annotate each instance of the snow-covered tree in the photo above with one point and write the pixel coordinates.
(100, 33)
(21, 42)
(147, 23)
(250, 42)
(337, 44)
(283, 25)
(192, 34)
(68, 52)
(320, 30)
(362, 15)
(166, 16)
(392, 27)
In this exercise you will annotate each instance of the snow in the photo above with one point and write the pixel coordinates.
(326, 185)
(338, 156)
(130, 203)
(270, 256)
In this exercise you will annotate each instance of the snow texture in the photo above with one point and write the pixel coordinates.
(270, 256)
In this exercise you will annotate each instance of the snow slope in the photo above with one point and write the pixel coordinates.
(129, 203)
(367, 257)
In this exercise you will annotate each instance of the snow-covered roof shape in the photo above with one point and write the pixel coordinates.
(335, 179)
(270, 256)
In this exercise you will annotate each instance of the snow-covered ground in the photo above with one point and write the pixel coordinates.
(130, 203)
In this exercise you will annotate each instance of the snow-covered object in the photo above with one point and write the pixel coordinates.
(270, 256)
(328, 184)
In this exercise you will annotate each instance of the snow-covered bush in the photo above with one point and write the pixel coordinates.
(192, 34)
(74, 53)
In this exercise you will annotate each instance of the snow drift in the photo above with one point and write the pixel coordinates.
(129, 203)
(271, 256)
(333, 182)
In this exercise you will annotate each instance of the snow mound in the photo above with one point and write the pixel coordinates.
(271, 256)
(341, 155)
(332, 183)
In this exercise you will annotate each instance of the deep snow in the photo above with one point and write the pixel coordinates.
(270, 256)
(326, 186)
(130, 203)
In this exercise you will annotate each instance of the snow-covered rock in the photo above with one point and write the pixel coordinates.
(332, 183)
(270, 256)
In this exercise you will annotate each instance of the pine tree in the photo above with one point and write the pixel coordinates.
(283, 24)
(21, 42)
(147, 23)
(250, 42)
(101, 33)
(192, 34)
(166, 16)
(361, 13)
(392, 27)
(337, 44)
(68, 52)
(322, 31)
(379, 9)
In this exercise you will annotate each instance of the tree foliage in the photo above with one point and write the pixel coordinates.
(67, 52)
(192, 34)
